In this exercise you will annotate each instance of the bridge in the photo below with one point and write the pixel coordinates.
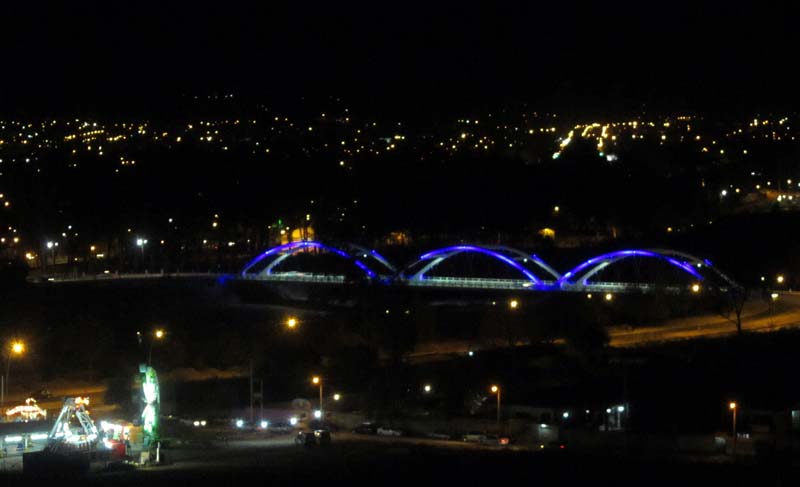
(501, 268)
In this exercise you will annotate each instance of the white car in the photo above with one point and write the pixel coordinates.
(387, 431)
(474, 436)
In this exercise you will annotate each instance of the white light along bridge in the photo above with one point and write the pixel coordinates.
(530, 272)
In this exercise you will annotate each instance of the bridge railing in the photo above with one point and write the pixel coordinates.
(286, 277)
(474, 283)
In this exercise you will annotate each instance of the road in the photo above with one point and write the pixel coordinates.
(354, 461)
(756, 318)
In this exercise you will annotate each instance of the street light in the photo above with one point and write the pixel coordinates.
(733, 406)
(779, 278)
(316, 380)
(291, 323)
(141, 242)
(695, 288)
(16, 347)
(427, 388)
(609, 296)
(158, 334)
(513, 304)
(337, 396)
(496, 390)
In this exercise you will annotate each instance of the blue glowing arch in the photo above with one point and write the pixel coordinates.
(594, 265)
(285, 251)
(369, 253)
(438, 256)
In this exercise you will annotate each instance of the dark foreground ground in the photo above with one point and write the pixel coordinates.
(351, 461)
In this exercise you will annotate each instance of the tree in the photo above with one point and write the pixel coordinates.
(732, 305)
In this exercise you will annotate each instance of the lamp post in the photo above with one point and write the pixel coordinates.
(158, 334)
(291, 322)
(141, 242)
(733, 406)
(316, 380)
(496, 390)
(16, 347)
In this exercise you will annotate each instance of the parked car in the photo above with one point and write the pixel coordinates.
(311, 438)
(474, 436)
(496, 440)
(552, 446)
(439, 435)
(388, 431)
(280, 427)
(366, 429)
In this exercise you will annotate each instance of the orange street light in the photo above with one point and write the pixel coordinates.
(733, 406)
(16, 347)
(291, 322)
(513, 304)
(496, 390)
(317, 380)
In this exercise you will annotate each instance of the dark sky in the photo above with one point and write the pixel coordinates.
(559, 54)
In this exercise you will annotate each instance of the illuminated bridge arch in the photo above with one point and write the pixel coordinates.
(263, 267)
(578, 278)
(510, 257)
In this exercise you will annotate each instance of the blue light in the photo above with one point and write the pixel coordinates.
(293, 247)
(623, 254)
(471, 248)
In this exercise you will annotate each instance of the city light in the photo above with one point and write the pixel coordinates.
(609, 296)
(315, 380)
(427, 388)
(317, 413)
(17, 347)
(779, 279)
(239, 423)
(513, 304)
(695, 288)
(291, 322)
(264, 424)
(495, 389)
(337, 396)
(293, 421)
(159, 333)
(732, 405)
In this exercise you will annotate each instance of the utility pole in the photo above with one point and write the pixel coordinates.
(252, 418)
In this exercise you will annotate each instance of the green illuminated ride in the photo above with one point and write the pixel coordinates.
(152, 404)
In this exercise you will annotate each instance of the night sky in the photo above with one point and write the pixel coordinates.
(603, 57)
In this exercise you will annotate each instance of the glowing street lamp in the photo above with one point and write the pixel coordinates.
(779, 279)
(427, 388)
(316, 380)
(609, 296)
(513, 304)
(291, 323)
(695, 288)
(158, 334)
(141, 242)
(496, 390)
(733, 407)
(15, 348)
